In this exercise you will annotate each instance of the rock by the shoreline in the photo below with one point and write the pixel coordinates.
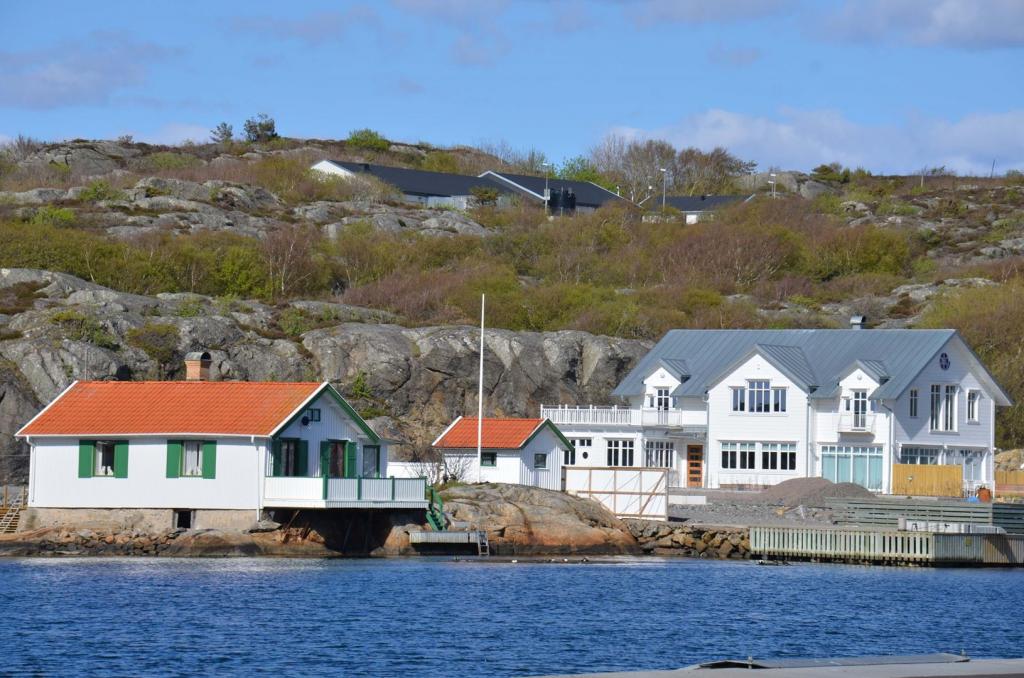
(530, 520)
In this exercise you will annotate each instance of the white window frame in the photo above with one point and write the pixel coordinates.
(619, 451)
(103, 448)
(949, 407)
(759, 396)
(778, 457)
(581, 445)
(973, 406)
(659, 453)
(739, 398)
(860, 409)
(191, 448)
(913, 405)
(540, 461)
(779, 397)
(748, 456)
(729, 456)
(918, 454)
(662, 400)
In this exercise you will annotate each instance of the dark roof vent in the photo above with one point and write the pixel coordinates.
(858, 322)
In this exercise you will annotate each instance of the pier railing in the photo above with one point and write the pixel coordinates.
(885, 546)
(622, 416)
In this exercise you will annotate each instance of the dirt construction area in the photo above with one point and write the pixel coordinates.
(801, 501)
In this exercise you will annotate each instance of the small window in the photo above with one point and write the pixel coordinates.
(659, 453)
(738, 400)
(192, 458)
(540, 460)
(104, 458)
(973, 397)
(661, 399)
(747, 451)
(729, 455)
(183, 519)
(313, 414)
(488, 458)
(371, 461)
(778, 400)
(913, 402)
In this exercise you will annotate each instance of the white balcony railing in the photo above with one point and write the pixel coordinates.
(856, 422)
(615, 416)
(311, 490)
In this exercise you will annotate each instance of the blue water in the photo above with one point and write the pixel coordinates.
(441, 618)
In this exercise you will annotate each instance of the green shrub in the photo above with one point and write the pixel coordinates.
(167, 160)
(49, 215)
(439, 161)
(157, 340)
(367, 139)
(77, 326)
(19, 297)
(189, 308)
(100, 189)
(829, 203)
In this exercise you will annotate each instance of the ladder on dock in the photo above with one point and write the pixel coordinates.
(483, 546)
(12, 513)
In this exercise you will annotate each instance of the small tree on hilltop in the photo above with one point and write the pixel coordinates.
(260, 128)
(222, 134)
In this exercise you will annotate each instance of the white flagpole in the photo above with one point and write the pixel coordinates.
(480, 399)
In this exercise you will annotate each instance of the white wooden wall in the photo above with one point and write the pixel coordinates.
(626, 492)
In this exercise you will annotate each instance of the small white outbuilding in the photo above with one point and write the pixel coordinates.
(515, 451)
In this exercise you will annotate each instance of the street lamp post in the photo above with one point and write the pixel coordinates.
(771, 181)
(664, 184)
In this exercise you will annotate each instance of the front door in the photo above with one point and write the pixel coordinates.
(694, 466)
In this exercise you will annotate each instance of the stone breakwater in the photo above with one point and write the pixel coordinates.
(695, 541)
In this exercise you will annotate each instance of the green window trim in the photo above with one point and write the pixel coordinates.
(176, 459)
(87, 458)
(277, 458)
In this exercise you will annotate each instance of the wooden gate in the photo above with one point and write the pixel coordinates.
(928, 480)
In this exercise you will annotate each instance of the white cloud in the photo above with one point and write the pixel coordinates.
(173, 133)
(968, 24)
(76, 72)
(797, 139)
(653, 12)
(313, 29)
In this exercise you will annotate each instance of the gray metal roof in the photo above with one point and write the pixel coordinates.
(700, 203)
(420, 182)
(588, 194)
(814, 359)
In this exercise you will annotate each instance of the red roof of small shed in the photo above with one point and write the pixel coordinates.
(90, 408)
(504, 434)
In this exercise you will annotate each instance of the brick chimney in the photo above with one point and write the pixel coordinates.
(197, 366)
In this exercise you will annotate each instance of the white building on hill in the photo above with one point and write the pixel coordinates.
(751, 408)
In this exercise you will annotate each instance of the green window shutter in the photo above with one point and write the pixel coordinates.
(350, 460)
(209, 459)
(325, 457)
(302, 463)
(121, 459)
(174, 458)
(275, 457)
(86, 455)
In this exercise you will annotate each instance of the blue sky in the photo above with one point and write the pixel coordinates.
(891, 85)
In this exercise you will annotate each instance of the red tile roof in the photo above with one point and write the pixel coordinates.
(503, 434)
(91, 408)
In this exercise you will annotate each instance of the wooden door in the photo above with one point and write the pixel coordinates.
(694, 466)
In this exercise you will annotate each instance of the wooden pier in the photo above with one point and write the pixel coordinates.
(887, 546)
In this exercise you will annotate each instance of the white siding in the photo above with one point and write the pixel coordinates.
(328, 167)
(726, 425)
(55, 482)
(550, 478)
(915, 431)
(334, 424)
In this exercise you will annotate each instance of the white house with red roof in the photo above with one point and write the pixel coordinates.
(515, 451)
(203, 454)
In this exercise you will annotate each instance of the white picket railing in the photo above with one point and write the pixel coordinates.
(613, 416)
(856, 422)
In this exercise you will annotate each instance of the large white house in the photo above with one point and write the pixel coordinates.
(751, 408)
(516, 451)
(203, 454)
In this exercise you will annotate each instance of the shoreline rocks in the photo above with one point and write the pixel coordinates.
(694, 541)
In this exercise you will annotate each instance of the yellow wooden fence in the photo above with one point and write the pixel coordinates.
(1010, 483)
(927, 480)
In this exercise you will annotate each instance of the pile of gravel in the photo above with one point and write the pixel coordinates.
(811, 492)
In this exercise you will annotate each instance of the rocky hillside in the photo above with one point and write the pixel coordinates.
(410, 381)
(122, 257)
